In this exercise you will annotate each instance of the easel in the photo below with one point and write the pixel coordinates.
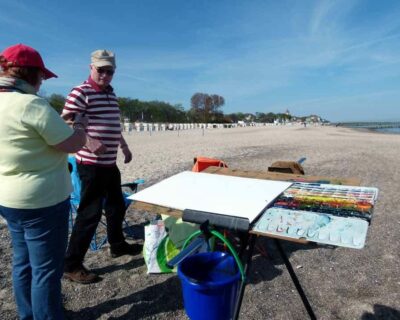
(241, 226)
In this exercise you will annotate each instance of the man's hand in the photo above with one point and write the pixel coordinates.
(127, 153)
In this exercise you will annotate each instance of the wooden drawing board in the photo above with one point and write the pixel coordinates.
(278, 176)
(227, 195)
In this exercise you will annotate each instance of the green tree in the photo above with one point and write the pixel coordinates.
(206, 108)
(265, 117)
(57, 101)
(151, 111)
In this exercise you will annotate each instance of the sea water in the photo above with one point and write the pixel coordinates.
(394, 127)
(389, 130)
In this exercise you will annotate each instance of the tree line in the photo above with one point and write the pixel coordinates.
(204, 108)
(136, 110)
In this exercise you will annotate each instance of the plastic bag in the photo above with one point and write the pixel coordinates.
(158, 249)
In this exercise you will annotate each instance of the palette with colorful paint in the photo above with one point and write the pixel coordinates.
(338, 200)
(324, 213)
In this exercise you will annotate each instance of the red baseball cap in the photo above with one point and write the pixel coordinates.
(24, 56)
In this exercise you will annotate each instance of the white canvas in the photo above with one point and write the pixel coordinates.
(228, 195)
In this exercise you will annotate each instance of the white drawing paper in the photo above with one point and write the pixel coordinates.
(227, 195)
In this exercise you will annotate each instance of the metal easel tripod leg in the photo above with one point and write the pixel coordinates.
(246, 253)
(295, 280)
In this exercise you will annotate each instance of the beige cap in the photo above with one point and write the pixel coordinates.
(103, 58)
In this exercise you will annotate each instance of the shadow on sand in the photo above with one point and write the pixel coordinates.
(159, 298)
(167, 296)
(266, 257)
(381, 312)
(133, 264)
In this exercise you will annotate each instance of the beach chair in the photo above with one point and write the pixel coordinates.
(100, 237)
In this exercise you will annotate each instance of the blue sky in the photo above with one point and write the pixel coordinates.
(338, 59)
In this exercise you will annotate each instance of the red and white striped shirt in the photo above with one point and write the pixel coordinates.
(102, 109)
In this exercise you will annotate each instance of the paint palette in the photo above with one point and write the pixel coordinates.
(337, 200)
(324, 213)
(316, 227)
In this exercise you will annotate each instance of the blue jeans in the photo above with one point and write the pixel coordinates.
(39, 238)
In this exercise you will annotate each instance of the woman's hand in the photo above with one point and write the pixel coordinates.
(80, 118)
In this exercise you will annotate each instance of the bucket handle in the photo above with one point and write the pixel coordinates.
(225, 241)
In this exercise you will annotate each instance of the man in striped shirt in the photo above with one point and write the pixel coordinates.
(96, 163)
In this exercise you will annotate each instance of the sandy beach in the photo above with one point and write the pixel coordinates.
(340, 283)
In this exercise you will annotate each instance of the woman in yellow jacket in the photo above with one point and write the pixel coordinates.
(34, 181)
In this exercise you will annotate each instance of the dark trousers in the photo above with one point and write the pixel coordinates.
(100, 189)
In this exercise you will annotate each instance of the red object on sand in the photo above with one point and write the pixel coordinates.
(202, 163)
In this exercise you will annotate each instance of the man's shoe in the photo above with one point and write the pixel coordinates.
(82, 275)
(125, 248)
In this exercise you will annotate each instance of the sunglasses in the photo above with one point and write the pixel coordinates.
(109, 72)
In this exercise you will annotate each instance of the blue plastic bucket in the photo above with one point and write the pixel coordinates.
(210, 283)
